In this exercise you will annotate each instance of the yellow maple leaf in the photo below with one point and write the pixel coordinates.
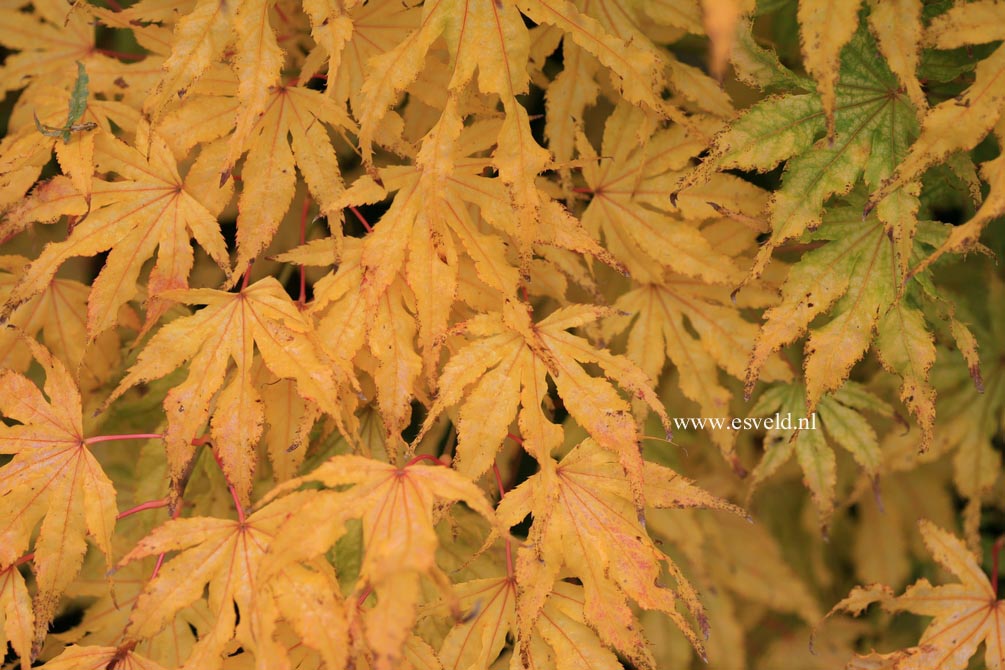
(396, 506)
(152, 208)
(233, 325)
(224, 556)
(59, 313)
(966, 613)
(562, 638)
(585, 522)
(17, 620)
(507, 368)
(101, 658)
(53, 479)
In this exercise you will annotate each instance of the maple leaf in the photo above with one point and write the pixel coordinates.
(288, 419)
(199, 37)
(25, 151)
(349, 327)
(884, 536)
(507, 368)
(961, 122)
(268, 178)
(222, 555)
(233, 325)
(854, 276)
(972, 409)
(965, 237)
(396, 506)
(153, 208)
(50, 41)
(418, 236)
(111, 602)
(874, 123)
(698, 328)
(101, 658)
(965, 614)
(291, 134)
(53, 478)
(585, 522)
(561, 639)
(310, 602)
(352, 38)
(840, 417)
(630, 208)
(59, 313)
(640, 24)
(16, 617)
(494, 40)
(725, 549)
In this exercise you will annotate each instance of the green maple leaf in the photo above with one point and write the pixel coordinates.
(852, 278)
(875, 123)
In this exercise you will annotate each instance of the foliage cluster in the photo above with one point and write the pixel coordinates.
(413, 397)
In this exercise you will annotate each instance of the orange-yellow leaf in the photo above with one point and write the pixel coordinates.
(396, 506)
(101, 658)
(232, 325)
(965, 613)
(150, 210)
(585, 522)
(222, 555)
(16, 618)
(52, 480)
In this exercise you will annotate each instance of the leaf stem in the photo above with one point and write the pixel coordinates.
(363, 596)
(247, 276)
(424, 457)
(125, 436)
(237, 503)
(996, 550)
(25, 559)
(150, 504)
(160, 557)
(361, 218)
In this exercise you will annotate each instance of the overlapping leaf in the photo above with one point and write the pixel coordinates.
(840, 417)
(504, 376)
(232, 326)
(874, 123)
(17, 621)
(965, 613)
(101, 658)
(223, 556)
(854, 277)
(152, 209)
(53, 483)
(561, 639)
(697, 328)
(961, 122)
(396, 506)
(585, 522)
(59, 314)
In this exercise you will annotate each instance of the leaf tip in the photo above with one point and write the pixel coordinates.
(867, 210)
(975, 374)
(738, 468)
